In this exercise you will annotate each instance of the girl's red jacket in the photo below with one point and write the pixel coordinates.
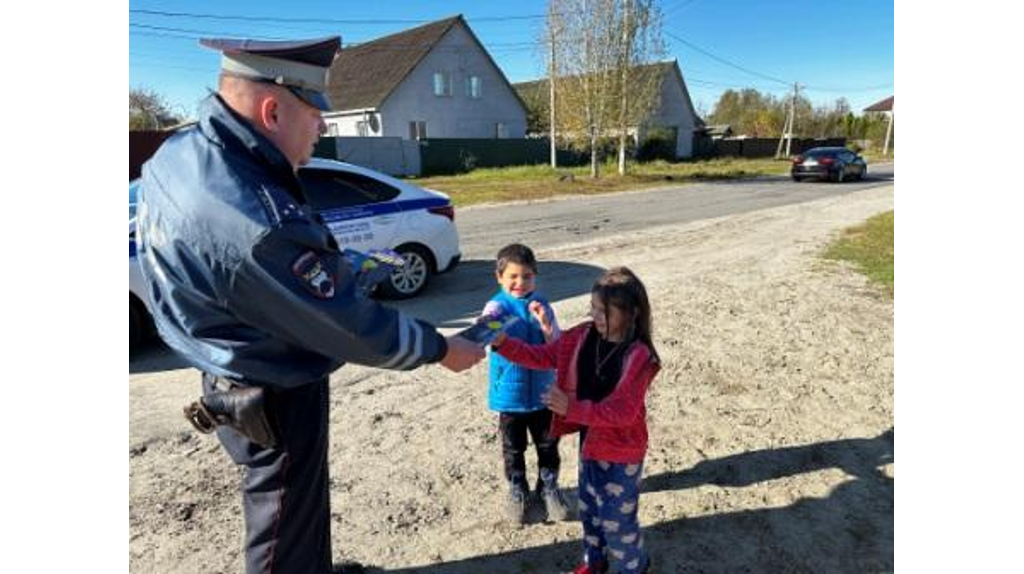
(617, 424)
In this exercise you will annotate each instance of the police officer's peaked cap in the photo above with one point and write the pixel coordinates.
(300, 65)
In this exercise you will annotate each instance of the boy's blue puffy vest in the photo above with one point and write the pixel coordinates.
(514, 388)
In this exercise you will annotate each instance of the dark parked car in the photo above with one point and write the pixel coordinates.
(832, 163)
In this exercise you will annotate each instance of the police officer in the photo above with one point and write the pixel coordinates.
(250, 288)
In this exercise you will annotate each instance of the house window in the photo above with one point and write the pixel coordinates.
(332, 130)
(500, 130)
(474, 87)
(442, 84)
(417, 130)
(361, 129)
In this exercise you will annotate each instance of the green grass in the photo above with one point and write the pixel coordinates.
(870, 247)
(540, 181)
(878, 157)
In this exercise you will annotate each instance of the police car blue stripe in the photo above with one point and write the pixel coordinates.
(361, 211)
(345, 214)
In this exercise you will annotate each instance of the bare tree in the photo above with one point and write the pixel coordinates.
(596, 52)
(640, 45)
(585, 60)
(147, 110)
(553, 31)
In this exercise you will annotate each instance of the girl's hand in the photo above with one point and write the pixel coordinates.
(556, 400)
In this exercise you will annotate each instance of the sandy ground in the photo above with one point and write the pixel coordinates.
(771, 423)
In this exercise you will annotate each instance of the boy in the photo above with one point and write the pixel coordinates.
(515, 392)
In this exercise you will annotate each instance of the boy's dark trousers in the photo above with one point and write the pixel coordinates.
(513, 427)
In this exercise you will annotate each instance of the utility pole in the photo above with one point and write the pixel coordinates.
(551, 88)
(590, 72)
(787, 130)
(627, 41)
(792, 120)
(888, 131)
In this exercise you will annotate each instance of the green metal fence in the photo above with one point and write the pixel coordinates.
(457, 155)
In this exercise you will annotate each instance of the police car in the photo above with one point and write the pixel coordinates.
(138, 301)
(364, 210)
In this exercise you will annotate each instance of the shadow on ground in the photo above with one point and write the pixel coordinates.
(850, 530)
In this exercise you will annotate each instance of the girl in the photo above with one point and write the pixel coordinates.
(604, 368)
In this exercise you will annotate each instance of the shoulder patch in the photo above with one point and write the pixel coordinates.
(313, 275)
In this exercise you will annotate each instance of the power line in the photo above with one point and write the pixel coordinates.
(318, 20)
(838, 89)
(677, 8)
(733, 85)
(325, 29)
(177, 57)
(162, 66)
(159, 35)
(209, 33)
(498, 48)
(201, 33)
(724, 61)
(772, 78)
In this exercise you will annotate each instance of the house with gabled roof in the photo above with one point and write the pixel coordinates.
(673, 110)
(435, 80)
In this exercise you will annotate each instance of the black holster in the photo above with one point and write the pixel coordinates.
(241, 408)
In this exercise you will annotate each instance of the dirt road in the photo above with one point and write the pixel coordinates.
(771, 423)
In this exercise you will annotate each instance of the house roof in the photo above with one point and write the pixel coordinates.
(882, 106)
(539, 88)
(535, 87)
(723, 130)
(363, 76)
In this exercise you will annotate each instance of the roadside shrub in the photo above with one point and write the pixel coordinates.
(660, 143)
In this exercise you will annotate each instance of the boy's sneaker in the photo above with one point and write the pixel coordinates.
(547, 491)
(516, 508)
(554, 503)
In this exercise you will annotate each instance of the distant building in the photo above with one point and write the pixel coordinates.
(885, 105)
(436, 80)
(719, 132)
(674, 110)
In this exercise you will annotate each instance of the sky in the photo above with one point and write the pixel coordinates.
(833, 49)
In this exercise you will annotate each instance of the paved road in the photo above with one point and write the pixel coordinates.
(484, 230)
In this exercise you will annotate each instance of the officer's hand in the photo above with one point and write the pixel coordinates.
(498, 340)
(461, 354)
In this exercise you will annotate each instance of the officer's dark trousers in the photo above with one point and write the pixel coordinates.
(285, 490)
(513, 428)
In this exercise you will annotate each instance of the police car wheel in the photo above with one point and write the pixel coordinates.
(412, 278)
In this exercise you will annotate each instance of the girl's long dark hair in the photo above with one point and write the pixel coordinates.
(622, 288)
